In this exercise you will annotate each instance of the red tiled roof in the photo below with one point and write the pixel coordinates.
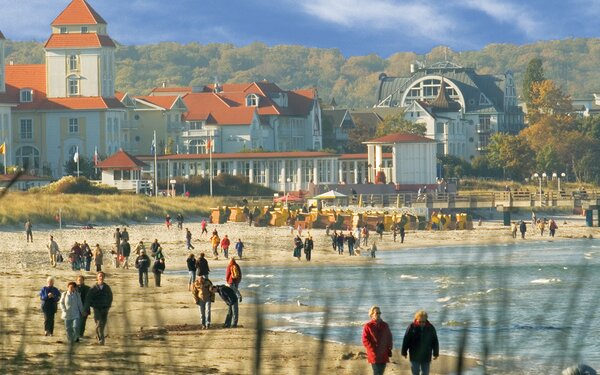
(121, 160)
(78, 12)
(88, 40)
(166, 102)
(78, 103)
(385, 155)
(243, 155)
(401, 138)
(215, 109)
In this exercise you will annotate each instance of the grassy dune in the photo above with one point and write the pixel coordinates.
(16, 207)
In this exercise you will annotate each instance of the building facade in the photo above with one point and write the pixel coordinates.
(460, 108)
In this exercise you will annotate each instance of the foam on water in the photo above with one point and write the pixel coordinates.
(546, 281)
(409, 277)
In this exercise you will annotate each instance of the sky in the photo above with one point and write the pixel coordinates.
(355, 27)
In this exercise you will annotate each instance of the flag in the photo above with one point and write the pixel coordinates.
(208, 144)
(3, 149)
(76, 156)
(95, 155)
(153, 147)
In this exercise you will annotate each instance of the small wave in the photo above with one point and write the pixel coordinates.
(546, 281)
(455, 323)
(253, 285)
(443, 299)
(255, 276)
(409, 277)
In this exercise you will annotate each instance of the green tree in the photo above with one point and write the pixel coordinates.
(533, 74)
(86, 168)
(512, 153)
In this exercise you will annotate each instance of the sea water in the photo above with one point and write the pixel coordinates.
(524, 308)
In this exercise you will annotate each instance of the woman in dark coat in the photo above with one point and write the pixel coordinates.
(308, 246)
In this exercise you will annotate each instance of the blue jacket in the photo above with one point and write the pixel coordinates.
(49, 304)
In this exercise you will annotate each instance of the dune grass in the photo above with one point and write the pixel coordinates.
(17, 207)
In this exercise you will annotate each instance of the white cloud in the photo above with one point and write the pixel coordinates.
(415, 18)
(508, 13)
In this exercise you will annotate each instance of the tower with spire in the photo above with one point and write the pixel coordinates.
(80, 56)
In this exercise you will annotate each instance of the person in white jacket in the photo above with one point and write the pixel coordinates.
(72, 309)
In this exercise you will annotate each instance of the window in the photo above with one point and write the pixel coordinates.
(252, 100)
(73, 63)
(26, 95)
(63, 29)
(73, 126)
(26, 128)
(196, 146)
(28, 157)
(195, 125)
(84, 29)
(73, 86)
(439, 128)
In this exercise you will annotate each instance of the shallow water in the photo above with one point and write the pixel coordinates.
(528, 308)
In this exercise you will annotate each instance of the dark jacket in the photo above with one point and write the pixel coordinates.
(308, 245)
(142, 263)
(83, 292)
(126, 249)
(202, 266)
(191, 264)
(420, 342)
(158, 267)
(227, 294)
(98, 298)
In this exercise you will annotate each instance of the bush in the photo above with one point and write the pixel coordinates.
(75, 185)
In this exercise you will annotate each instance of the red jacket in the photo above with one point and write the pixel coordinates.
(225, 243)
(228, 274)
(377, 339)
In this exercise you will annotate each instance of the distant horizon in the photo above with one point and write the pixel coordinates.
(355, 27)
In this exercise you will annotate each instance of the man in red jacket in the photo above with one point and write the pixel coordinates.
(377, 339)
(233, 276)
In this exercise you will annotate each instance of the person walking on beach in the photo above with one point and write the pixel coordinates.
(100, 299)
(202, 268)
(83, 290)
(229, 297)
(168, 221)
(52, 250)
(541, 226)
(351, 240)
(139, 247)
(126, 249)
(373, 249)
(179, 221)
(378, 341)
(552, 227)
(50, 296)
(214, 243)
(98, 258)
(124, 235)
(365, 235)
(203, 297)
(158, 268)
(142, 263)
(298, 245)
(233, 276)
(191, 266)
(420, 343)
(203, 227)
(308, 247)
(513, 229)
(154, 247)
(340, 242)
(72, 309)
(402, 233)
(188, 239)
(28, 230)
(334, 237)
(379, 229)
(225, 246)
(239, 248)
(87, 255)
(523, 228)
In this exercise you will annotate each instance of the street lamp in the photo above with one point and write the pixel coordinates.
(558, 177)
(539, 178)
(285, 188)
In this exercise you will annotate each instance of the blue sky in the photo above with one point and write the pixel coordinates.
(356, 27)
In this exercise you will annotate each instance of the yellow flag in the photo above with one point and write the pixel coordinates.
(3, 149)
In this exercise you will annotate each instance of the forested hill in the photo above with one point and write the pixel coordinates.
(352, 81)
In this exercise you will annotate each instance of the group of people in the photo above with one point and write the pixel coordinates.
(155, 262)
(307, 245)
(80, 256)
(338, 240)
(540, 224)
(204, 292)
(224, 244)
(75, 304)
(420, 343)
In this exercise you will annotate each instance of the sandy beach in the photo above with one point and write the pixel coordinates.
(156, 330)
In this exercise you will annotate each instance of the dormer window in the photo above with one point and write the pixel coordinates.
(252, 100)
(84, 29)
(73, 63)
(63, 29)
(26, 95)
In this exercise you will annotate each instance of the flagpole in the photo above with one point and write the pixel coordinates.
(210, 165)
(155, 168)
(4, 157)
(95, 160)
(77, 152)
